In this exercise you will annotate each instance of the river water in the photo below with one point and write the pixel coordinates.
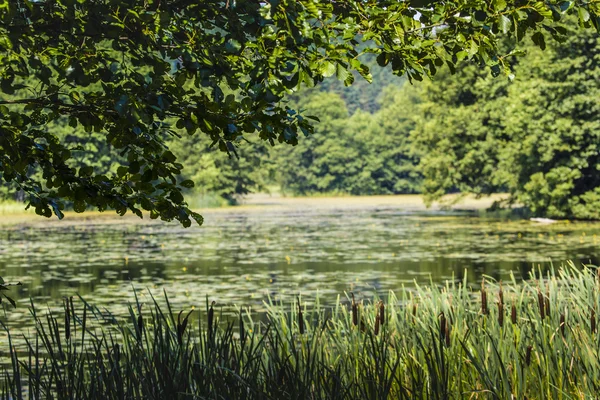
(243, 256)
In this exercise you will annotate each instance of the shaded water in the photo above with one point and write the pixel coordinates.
(239, 257)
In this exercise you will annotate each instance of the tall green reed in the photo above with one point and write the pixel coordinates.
(430, 342)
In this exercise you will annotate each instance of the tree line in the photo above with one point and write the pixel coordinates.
(536, 138)
(131, 111)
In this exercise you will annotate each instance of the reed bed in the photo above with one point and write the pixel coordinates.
(535, 339)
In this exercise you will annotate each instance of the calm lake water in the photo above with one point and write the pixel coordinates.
(242, 256)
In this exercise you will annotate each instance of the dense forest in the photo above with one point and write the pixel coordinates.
(535, 137)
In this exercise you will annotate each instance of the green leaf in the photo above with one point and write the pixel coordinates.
(538, 39)
(505, 24)
(11, 301)
(584, 15)
(187, 184)
(311, 8)
(499, 5)
(341, 72)
(79, 206)
(86, 171)
(232, 46)
(473, 48)
(328, 69)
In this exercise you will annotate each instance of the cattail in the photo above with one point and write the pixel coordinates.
(593, 321)
(242, 330)
(500, 313)
(442, 325)
(140, 326)
(528, 355)
(381, 312)
(181, 325)
(67, 320)
(547, 302)
(140, 323)
(484, 307)
(501, 294)
(447, 334)
(300, 319)
(414, 312)
(562, 324)
(117, 353)
(72, 313)
(513, 313)
(541, 303)
(354, 311)
(179, 328)
(376, 330)
(211, 316)
(234, 362)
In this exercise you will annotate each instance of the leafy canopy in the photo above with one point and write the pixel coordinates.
(537, 138)
(133, 70)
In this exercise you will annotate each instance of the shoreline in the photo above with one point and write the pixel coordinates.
(261, 202)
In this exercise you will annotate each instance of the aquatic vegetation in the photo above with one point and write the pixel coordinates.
(362, 248)
(535, 339)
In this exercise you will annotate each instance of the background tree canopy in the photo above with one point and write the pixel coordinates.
(81, 79)
(537, 138)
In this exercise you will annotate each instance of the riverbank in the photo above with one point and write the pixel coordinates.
(13, 213)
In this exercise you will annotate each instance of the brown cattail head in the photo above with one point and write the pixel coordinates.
(484, 307)
(211, 317)
(181, 325)
(300, 319)
(500, 313)
(67, 319)
(376, 330)
(541, 303)
(593, 321)
(442, 325)
(562, 324)
(140, 326)
(242, 330)
(447, 331)
(354, 311)
(72, 312)
(501, 294)
(414, 312)
(381, 312)
(513, 313)
(547, 303)
(528, 355)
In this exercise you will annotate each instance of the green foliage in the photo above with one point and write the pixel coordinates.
(326, 161)
(3, 288)
(391, 166)
(128, 70)
(210, 171)
(530, 339)
(536, 138)
(363, 95)
(362, 154)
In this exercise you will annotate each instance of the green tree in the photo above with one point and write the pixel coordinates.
(129, 69)
(329, 160)
(537, 138)
(391, 159)
(228, 176)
